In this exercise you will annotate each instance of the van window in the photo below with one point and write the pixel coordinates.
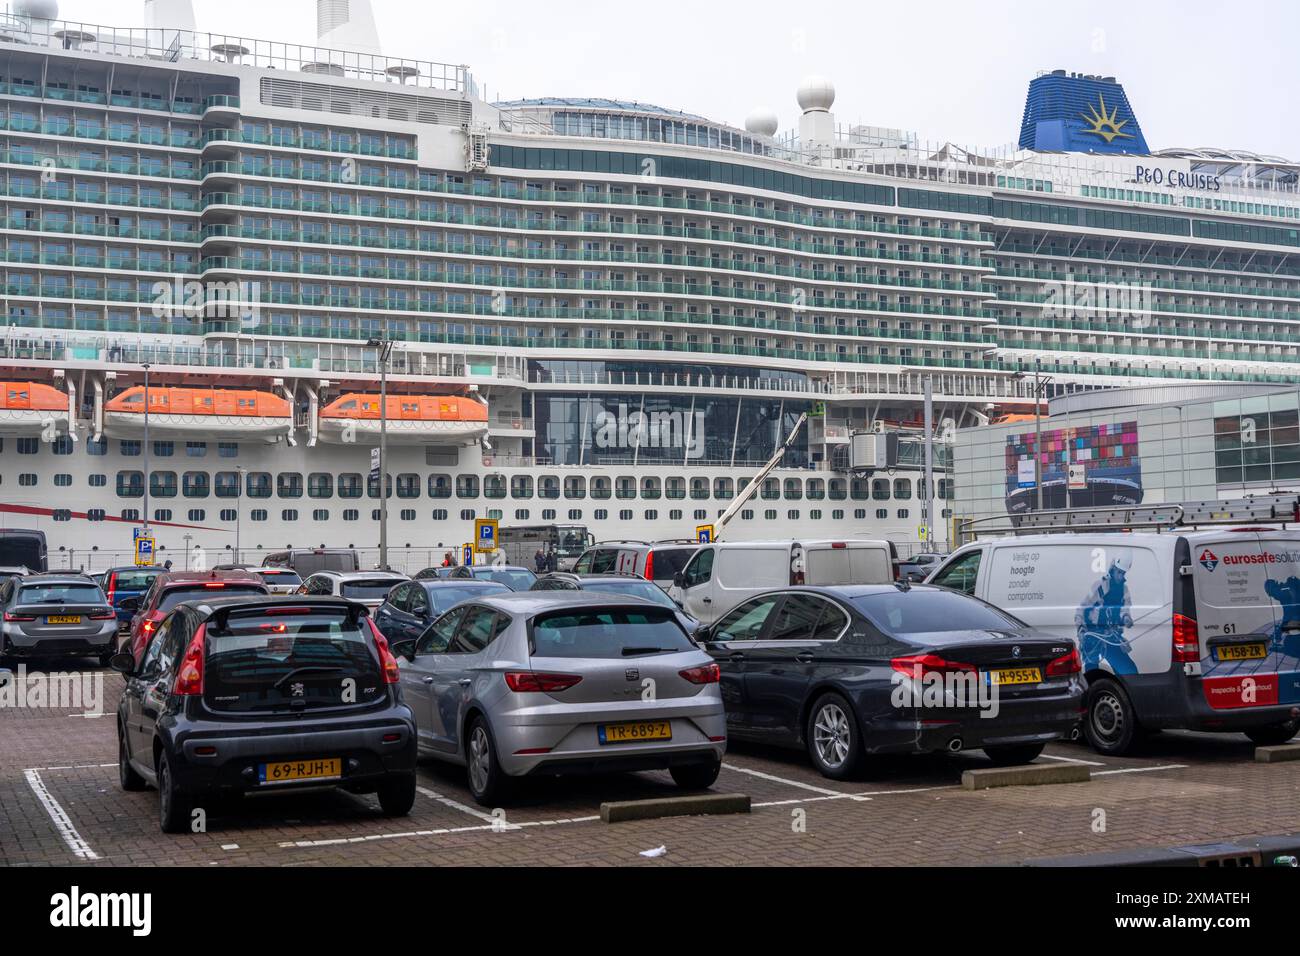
(602, 562)
(960, 574)
(701, 569)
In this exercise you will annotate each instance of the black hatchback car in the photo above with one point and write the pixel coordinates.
(264, 694)
(870, 669)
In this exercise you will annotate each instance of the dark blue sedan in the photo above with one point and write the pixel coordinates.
(413, 605)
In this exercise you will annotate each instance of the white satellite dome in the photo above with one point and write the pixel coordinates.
(761, 122)
(37, 9)
(816, 93)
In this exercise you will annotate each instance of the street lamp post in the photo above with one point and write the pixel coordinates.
(384, 347)
(239, 508)
(1038, 439)
(144, 524)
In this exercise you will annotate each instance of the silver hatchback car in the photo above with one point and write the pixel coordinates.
(56, 615)
(549, 683)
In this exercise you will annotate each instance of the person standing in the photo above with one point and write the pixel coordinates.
(539, 559)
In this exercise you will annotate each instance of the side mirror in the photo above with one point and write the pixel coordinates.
(123, 663)
(129, 604)
(703, 634)
(679, 579)
(405, 648)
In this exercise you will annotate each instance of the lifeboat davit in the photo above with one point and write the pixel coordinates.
(412, 419)
(199, 412)
(29, 408)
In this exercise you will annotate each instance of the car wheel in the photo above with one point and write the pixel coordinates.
(1273, 734)
(696, 776)
(488, 783)
(1013, 755)
(126, 775)
(832, 736)
(397, 796)
(173, 806)
(1111, 726)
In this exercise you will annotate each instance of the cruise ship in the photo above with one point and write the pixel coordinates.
(593, 313)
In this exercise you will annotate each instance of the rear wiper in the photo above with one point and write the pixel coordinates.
(306, 668)
(628, 651)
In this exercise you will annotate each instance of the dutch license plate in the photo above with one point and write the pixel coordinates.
(635, 731)
(1016, 675)
(63, 619)
(1241, 652)
(287, 771)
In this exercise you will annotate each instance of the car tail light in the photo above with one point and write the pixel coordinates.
(104, 615)
(525, 682)
(147, 627)
(1069, 663)
(838, 545)
(649, 565)
(387, 663)
(111, 590)
(10, 616)
(704, 674)
(922, 664)
(189, 679)
(1187, 640)
(214, 584)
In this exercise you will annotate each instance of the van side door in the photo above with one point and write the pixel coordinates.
(697, 586)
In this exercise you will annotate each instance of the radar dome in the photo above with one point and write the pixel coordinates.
(816, 93)
(37, 9)
(762, 122)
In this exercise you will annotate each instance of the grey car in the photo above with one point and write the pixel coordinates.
(536, 684)
(56, 615)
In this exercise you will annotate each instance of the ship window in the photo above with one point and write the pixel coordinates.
(651, 514)
(196, 449)
(440, 486)
(466, 486)
(548, 514)
(625, 515)
(27, 480)
(194, 484)
(701, 514)
(351, 514)
(162, 484)
(699, 489)
(320, 514)
(28, 446)
(62, 480)
(769, 514)
(575, 488)
(467, 514)
(197, 514)
(133, 514)
(62, 445)
(494, 486)
(747, 514)
(320, 484)
(793, 489)
(601, 514)
(162, 514)
(408, 514)
(130, 484)
(227, 449)
(881, 513)
(289, 514)
(880, 489)
(226, 484)
(902, 488)
(408, 486)
(258, 484)
(349, 485)
(129, 449)
(439, 514)
(675, 515)
(288, 484)
(99, 447)
(723, 489)
(228, 514)
(61, 515)
(96, 514)
(548, 486)
(902, 512)
(164, 449)
(837, 489)
(258, 514)
(600, 487)
(521, 514)
(575, 514)
(521, 486)
(97, 480)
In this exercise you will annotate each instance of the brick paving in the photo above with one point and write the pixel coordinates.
(1182, 789)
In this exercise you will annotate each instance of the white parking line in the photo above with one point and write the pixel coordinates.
(837, 794)
(857, 797)
(1086, 763)
(1167, 766)
(371, 837)
(79, 766)
(62, 822)
(463, 808)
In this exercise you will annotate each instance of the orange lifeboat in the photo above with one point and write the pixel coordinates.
(411, 418)
(1013, 418)
(27, 408)
(224, 412)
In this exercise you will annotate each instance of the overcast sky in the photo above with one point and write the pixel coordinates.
(1198, 73)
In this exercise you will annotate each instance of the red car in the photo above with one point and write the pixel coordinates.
(173, 588)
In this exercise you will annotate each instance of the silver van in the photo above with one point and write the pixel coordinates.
(1198, 630)
(657, 561)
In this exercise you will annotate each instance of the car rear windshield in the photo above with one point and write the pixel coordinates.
(278, 577)
(445, 595)
(607, 633)
(920, 611)
(517, 579)
(296, 658)
(668, 561)
(61, 594)
(373, 589)
(173, 596)
(133, 580)
(633, 587)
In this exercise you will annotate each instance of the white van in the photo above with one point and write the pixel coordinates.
(1197, 630)
(722, 575)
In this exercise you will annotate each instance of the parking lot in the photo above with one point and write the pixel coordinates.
(60, 803)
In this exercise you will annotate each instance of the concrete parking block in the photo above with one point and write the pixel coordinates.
(702, 804)
(1030, 775)
(1277, 754)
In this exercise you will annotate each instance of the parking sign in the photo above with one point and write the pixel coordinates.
(144, 550)
(485, 535)
(704, 533)
(467, 555)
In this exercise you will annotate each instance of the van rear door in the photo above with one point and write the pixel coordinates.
(849, 562)
(1242, 581)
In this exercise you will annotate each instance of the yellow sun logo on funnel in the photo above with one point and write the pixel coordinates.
(1106, 125)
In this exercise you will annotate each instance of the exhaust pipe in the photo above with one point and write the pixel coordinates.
(1075, 733)
(955, 745)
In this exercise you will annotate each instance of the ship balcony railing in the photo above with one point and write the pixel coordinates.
(1223, 355)
(82, 228)
(1217, 288)
(154, 102)
(1150, 328)
(1180, 262)
(61, 192)
(160, 169)
(1217, 311)
(256, 137)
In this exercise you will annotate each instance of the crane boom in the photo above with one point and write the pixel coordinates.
(749, 490)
